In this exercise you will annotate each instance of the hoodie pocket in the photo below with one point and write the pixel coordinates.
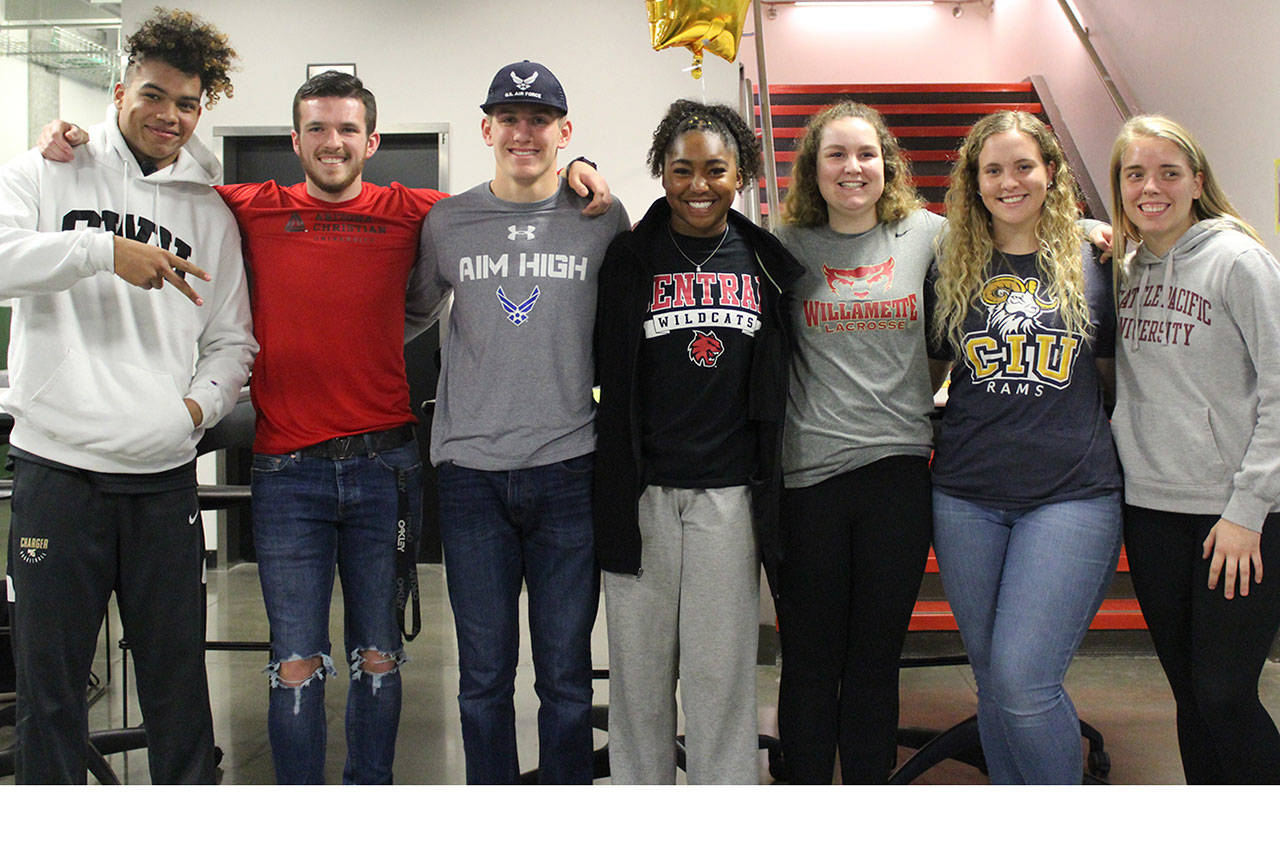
(1168, 444)
(114, 410)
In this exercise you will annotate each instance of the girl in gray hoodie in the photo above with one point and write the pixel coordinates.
(1197, 426)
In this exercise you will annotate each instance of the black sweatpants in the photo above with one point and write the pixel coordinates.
(854, 549)
(1212, 649)
(73, 541)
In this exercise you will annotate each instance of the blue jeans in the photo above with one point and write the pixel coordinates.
(309, 513)
(500, 528)
(1024, 586)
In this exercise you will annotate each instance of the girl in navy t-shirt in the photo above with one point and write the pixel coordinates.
(1026, 498)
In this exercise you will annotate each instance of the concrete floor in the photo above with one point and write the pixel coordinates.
(1123, 695)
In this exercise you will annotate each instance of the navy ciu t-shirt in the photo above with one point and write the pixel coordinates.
(695, 363)
(1024, 423)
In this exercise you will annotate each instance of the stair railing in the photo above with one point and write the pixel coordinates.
(1104, 75)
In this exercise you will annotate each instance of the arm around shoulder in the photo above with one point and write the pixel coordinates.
(427, 294)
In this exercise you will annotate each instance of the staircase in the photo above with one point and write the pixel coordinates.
(930, 121)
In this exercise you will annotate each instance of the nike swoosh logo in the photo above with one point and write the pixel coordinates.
(192, 519)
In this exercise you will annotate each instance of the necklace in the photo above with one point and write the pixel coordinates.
(697, 267)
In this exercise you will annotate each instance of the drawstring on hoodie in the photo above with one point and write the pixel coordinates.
(1136, 339)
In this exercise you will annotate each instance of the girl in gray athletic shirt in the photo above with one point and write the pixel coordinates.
(1197, 424)
(856, 514)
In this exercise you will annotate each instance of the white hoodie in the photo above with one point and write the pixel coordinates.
(98, 368)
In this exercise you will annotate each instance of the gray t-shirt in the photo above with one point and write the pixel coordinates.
(859, 387)
(516, 366)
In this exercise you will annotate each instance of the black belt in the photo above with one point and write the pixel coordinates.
(348, 446)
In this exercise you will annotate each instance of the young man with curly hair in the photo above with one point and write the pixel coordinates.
(111, 387)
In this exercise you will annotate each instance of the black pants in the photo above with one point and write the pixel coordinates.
(1212, 649)
(855, 546)
(70, 545)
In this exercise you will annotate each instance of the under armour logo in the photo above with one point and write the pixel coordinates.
(523, 83)
(517, 314)
(525, 232)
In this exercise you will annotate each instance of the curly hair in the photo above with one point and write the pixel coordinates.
(181, 39)
(1212, 203)
(720, 119)
(804, 204)
(968, 246)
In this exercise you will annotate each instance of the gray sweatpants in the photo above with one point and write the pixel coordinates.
(691, 613)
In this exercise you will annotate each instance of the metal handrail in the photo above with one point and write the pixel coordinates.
(1105, 76)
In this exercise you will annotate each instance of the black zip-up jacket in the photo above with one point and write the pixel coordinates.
(626, 287)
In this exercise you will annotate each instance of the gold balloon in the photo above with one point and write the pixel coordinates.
(714, 25)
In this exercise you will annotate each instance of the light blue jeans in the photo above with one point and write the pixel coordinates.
(1024, 586)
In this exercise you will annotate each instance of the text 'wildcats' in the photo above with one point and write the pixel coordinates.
(684, 300)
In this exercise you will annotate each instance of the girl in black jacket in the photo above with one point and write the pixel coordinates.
(691, 352)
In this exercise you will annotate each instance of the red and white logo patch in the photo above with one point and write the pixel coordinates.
(705, 348)
(857, 282)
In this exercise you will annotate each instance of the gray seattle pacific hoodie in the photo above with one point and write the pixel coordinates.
(1197, 419)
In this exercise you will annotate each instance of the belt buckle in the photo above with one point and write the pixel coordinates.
(343, 445)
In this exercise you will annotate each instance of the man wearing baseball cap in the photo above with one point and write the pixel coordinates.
(513, 434)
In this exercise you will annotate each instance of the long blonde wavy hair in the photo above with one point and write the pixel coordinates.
(967, 247)
(804, 204)
(1212, 203)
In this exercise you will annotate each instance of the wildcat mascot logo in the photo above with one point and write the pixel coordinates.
(705, 349)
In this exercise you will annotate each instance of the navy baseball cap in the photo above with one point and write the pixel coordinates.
(526, 82)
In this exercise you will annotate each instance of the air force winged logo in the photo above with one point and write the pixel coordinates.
(517, 314)
(705, 349)
(523, 83)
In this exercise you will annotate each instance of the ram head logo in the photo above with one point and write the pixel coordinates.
(1014, 304)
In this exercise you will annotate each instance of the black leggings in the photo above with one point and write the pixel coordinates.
(1212, 649)
(855, 546)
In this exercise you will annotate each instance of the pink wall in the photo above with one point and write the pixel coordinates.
(846, 45)
(1211, 66)
(1014, 40)
(1208, 64)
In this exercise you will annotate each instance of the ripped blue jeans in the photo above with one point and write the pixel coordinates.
(308, 514)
